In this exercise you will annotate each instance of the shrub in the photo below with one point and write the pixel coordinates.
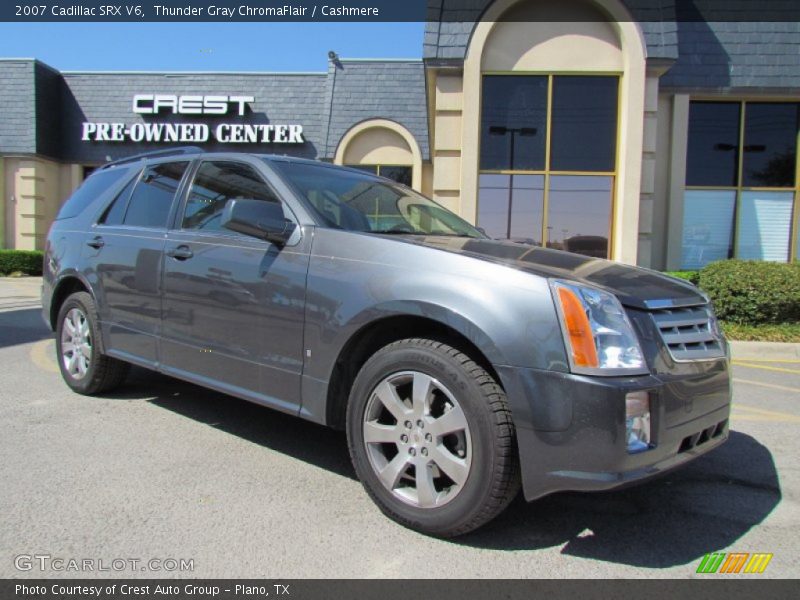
(28, 262)
(690, 276)
(753, 292)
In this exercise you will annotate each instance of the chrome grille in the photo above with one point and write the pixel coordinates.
(689, 333)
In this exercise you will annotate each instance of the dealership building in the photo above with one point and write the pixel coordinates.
(576, 124)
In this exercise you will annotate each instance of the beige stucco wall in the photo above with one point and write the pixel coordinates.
(427, 179)
(378, 147)
(534, 43)
(678, 144)
(33, 190)
(660, 198)
(381, 142)
(447, 141)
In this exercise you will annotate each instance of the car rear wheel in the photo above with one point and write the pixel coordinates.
(431, 438)
(83, 365)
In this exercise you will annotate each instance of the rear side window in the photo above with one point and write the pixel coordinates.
(114, 214)
(92, 188)
(152, 197)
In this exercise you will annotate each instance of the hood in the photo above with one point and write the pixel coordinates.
(634, 286)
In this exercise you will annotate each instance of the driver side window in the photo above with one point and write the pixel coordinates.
(214, 184)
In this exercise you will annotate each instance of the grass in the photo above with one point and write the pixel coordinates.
(783, 332)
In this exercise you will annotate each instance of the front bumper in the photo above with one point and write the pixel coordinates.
(571, 428)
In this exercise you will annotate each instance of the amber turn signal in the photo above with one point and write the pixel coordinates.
(579, 331)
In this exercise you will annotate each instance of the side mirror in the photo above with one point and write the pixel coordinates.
(258, 218)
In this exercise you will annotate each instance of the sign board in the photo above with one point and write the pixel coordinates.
(195, 133)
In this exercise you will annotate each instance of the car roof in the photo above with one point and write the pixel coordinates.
(193, 151)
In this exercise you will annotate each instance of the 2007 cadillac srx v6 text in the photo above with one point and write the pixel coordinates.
(461, 367)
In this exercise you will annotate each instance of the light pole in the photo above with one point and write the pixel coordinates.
(511, 131)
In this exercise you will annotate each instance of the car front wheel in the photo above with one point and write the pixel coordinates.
(431, 438)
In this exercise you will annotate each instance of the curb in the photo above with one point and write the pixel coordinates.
(764, 351)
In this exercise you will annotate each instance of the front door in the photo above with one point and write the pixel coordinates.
(233, 305)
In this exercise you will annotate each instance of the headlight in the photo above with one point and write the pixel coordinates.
(598, 335)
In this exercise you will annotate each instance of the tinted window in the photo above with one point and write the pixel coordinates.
(93, 187)
(770, 144)
(367, 168)
(513, 122)
(713, 151)
(584, 123)
(215, 184)
(116, 211)
(344, 199)
(579, 214)
(398, 174)
(152, 197)
(510, 207)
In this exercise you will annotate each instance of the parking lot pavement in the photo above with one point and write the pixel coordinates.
(163, 469)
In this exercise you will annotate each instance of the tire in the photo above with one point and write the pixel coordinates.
(442, 461)
(84, 366)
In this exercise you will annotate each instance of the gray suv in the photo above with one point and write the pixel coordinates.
(460, 367)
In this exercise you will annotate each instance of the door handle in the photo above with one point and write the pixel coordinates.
(96, 242)
(180, 253)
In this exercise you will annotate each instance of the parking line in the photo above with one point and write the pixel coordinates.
(43, 355)
(783, 388)
(769, 360)
(766, 368)
(751, 413)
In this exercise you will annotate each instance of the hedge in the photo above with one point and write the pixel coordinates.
(28, 262)
(753, 292)
(690, 276)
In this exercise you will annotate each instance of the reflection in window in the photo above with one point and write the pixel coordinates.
(581, 126)
(584, 128)
(359, 202)
(116, 211)
(215, 184)
(579, 214)
(713, 146)
(707, 227)
(523, 194)
(151, 200)
(398, 173)
(513, 122)
(764, 225)
(770, 144)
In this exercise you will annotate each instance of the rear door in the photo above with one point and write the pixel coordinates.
(125, 252)
(233, 305)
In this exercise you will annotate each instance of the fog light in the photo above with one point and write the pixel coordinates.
(637, 421)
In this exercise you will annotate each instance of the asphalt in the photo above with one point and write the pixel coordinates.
(167, 470)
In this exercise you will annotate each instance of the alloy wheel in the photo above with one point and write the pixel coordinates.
(417, 439)
(76, 344)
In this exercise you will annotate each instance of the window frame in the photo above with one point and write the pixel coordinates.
(176, 220)
(140, 169)
(547, 172)
(739, 189)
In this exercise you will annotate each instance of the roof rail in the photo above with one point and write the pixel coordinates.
(154, 154)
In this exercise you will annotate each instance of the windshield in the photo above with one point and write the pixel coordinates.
(354, 201)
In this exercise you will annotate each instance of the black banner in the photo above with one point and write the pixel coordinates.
(667, 11)
(321, 589)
